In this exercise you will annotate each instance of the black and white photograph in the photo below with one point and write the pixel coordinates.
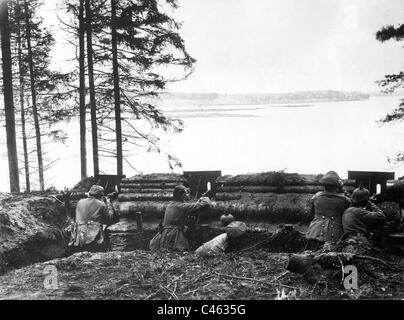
(214, 151)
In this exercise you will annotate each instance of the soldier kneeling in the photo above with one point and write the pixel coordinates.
(92, 215)
(359, 219)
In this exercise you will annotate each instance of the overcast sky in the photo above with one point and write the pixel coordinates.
(259, 46)
(287, 45)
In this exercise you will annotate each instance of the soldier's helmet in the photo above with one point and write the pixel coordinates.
(179, 191)
(360, 195)
(330, 178)
(96, 191)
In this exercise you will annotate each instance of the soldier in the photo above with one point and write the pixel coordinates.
(172, 236)
(362, 216)
(327, 207)
(92, 214)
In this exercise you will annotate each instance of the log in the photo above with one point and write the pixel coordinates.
(391, 183)
(304, 263)
(140, 190)
(145, 196)
(155, 178)
(274, 179)
(157, 185)
(223, 196)
(151, 209)
(290, 207)
(229, 189)
(273, 189)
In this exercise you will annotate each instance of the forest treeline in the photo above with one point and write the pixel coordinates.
(126, 52)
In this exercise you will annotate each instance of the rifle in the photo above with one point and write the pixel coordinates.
(113, 195)
(199, 215)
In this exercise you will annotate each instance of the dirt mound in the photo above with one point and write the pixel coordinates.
(155, 177)
(272, 178)
(146, 275)
(30, 229)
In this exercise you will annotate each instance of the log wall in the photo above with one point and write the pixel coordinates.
(149, 194)
(271, 196)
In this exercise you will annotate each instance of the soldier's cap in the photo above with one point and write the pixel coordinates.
(330, 178)
(96, 191)
(180, 187)
(178, 190)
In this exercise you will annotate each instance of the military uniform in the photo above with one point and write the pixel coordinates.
(327, 208)
(357, 220)
(91, 215)
(172, 236)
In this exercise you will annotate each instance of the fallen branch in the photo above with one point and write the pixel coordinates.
(302, 263)
(163, 288)
(172, 294)
(55, 198)
(256, 280)
(388, 265)
(240, 278)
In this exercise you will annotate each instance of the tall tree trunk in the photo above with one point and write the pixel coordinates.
(33, 96)
(92, 89)
(8, 98)
(22, 97)
(82, 92)
(118, 129)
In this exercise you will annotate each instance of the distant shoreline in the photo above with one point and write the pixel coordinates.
(169, 101)
(264, 106)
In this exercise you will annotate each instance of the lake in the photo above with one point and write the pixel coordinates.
(306, 138)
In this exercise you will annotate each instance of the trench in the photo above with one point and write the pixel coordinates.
(125, 236)
(30, 230)
(52, 243)
(39, 248)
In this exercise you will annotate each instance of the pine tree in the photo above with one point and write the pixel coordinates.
(147, 40)
(33, 97)
(45, 89)
(22, 74)
(117, 93)
(93, 106)
(134, 43)
(8, 97)
(82, 90)
(392, 82)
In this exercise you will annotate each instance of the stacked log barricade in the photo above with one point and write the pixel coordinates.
(272, 197)
(142, 197)
(269, 196)
(148, 193)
